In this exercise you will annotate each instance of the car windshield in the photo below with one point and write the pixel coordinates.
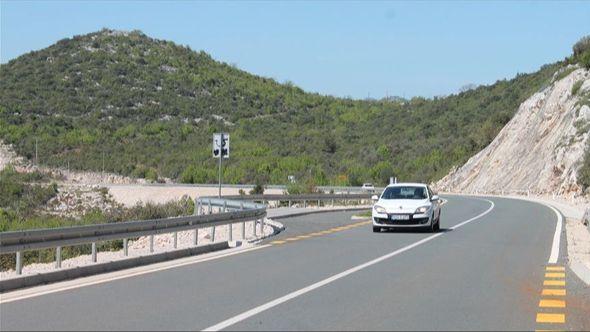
(408, 192)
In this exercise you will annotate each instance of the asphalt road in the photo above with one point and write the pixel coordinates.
(328, 272)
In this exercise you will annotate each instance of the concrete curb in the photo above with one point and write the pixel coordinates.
(581, 271)
(277, 227)
(88, 270)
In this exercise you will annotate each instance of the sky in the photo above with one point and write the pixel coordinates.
(341, 48)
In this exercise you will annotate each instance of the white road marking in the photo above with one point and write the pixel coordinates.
(112, 276)
(245, 315)
(556, 237)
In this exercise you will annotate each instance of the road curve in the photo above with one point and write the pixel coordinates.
(484, 270)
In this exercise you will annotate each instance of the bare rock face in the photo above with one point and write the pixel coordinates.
(8, 156)
(540, 150)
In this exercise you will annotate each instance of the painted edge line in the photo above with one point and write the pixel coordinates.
(554, 256)
(254, 311)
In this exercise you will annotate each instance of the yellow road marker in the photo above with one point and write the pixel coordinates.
(303, 237)
(555, 268)
(554, 292)
(552, 304)
(555, 275)
(278, 242)
(291, 239)
(550, 318)
(554, 283)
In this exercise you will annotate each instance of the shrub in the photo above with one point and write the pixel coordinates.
(576, 87)
(582, 46)
(585, 60)
(257, 190)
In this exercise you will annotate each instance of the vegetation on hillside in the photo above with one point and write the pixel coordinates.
(150, 108)
(582, 52)
(582, 56)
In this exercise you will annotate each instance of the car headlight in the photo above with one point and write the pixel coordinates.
(423, 209)
(379, 209)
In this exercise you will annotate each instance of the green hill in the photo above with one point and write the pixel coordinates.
(151, 107)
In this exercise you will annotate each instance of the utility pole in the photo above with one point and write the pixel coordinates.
(220, 162)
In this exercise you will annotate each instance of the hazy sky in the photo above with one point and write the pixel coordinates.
(340, 48)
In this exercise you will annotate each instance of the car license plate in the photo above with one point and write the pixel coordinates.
(400, 217)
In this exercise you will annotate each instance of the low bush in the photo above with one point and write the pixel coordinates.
(576, 87)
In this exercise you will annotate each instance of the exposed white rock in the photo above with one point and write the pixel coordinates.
(541, 149)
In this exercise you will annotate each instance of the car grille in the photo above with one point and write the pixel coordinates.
(411, 221)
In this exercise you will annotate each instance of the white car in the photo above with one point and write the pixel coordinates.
(368, 187)
(406, 205)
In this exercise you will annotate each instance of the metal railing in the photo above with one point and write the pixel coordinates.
(208, 212)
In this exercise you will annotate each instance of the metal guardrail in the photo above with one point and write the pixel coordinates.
(244, 186)
(229, 210)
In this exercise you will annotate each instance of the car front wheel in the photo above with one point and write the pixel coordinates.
(376, 229)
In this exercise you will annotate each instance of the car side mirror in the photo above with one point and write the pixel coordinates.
(434, 198)
(375, 198)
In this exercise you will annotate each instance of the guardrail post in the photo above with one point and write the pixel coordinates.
(254, 223)
(289, 203)
(243, 223)
(19, 262)
(318, 203)
(196, 234)
(126, 247)
(304, 203)
(262, 227)
(58, 258)
(210, 210)
(175, 240)
(332, 202)
(93, 252)
(152, 243)
(231, 228)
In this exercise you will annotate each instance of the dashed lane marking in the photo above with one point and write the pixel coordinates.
(552, 304)
(555, 268)
(553, 292)
(549, 305)
(554, 283)
(550, 318)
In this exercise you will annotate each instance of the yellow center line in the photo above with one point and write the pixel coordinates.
(552, 304)
(555, 268)
(554, 283)
(550, 318)
(554, 275)
(278, 242)
(303, 236)
(552, 291)
(291, 239)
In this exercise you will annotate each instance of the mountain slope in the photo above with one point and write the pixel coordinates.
(147, 108)
(541, 149)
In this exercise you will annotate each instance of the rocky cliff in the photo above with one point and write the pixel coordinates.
(540, 150)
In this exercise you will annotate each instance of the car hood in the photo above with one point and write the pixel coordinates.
(402, 205)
